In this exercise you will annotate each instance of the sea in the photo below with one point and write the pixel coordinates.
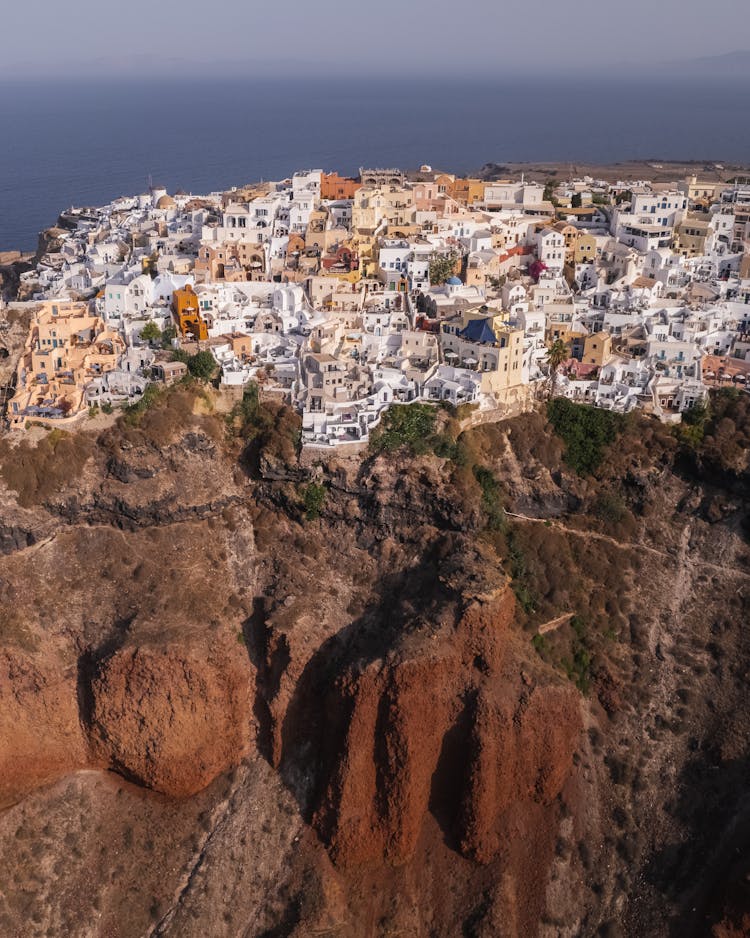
(86, 142)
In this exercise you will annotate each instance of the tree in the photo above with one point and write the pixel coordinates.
(151, 332)
(549, 193)
(577, 200)
(167, 335)
(202, 365)
(442, 267)
(557, 353)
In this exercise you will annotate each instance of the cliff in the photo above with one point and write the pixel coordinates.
(348, 724)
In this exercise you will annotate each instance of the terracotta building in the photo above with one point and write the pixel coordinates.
(333, 186)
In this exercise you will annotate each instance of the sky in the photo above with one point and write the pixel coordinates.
(458, 38)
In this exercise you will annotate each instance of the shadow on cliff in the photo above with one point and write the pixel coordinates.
(314, 726)
(89, 663)
(705, 874)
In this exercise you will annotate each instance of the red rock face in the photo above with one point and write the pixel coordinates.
(521, 755)
(40, 734)
(170, 719)
(390, 724)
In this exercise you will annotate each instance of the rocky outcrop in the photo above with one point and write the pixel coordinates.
(445, 723)
(168, 718)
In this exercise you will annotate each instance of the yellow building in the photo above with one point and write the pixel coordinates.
(691, 235)
(486, 343)
(584, 248)
(187, 315)
(597, 349)
(569, 233)
(699, 190)
(468, 191)
(563, 331)
(371, 207)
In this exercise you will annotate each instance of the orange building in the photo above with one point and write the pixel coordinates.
(333, 186)
(469, 191)
(186, 313)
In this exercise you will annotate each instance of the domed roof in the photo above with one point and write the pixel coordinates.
(454, 281)
(166, 201)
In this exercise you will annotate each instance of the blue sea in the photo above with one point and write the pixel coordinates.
(81, 143)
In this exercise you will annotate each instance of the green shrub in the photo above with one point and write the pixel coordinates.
(133, 413)
(408, 425)
(491, 498)
(611, 508)
(521, 580)
(442, 267)
(585, 430)
(313, 496)
(692, 428)
(539, 643)
(579, 668)
(202, 365)
(446, 447)
(168, 333)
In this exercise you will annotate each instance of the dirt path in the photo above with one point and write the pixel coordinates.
(555, 623)
(679, 557)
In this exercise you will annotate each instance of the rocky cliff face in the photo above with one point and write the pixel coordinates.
(341, 725)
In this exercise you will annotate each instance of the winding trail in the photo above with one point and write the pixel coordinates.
(680, 556)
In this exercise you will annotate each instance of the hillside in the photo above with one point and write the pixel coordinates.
(246, 693)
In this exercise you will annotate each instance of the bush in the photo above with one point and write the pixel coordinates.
(610, 508)
(692, 429)
(521, 579)
(579, 668)
(249, 406)
(585, 430)
(407, 425)
(442, 267)
(133, 413)
(271, 430)
(313, 497)
(202, 365)
(491, 498)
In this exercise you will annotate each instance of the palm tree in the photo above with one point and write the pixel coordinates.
(557, 353)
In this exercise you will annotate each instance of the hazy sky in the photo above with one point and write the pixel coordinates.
(324, 37)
